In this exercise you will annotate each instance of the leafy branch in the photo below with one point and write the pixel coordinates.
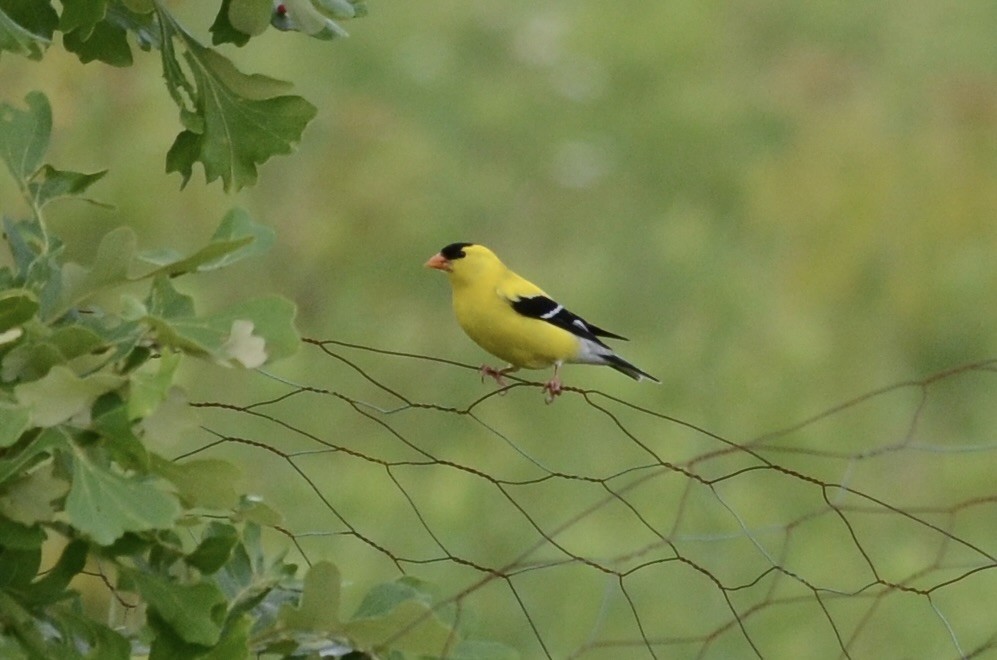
(87, 397)
(232, 122)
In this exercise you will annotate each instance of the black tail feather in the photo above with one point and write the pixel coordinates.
(624, 367)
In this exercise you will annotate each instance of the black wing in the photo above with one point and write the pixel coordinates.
(545, 309)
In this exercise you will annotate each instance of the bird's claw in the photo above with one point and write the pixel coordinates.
(492, 372)
(552, 390)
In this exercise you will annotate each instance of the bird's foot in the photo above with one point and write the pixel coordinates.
(492, 372)
(552, 389)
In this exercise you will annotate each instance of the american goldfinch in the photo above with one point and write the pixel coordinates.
(514, 320)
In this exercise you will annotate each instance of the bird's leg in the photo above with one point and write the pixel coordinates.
(553, 386)
(497, 374)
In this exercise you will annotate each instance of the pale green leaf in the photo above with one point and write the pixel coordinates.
(148, 389)
(235, 226)
(222, 30)
(252, 509)
(425, 633)
(318, 608)
(272, 318)
(28, 499)
(105, 505)
(236, 238)
(61, 394)
(171, 315)
(206, 483)
(171, 422)
(14, 421)
(110, 267)
(383, 598)
(250, 16)
(24, 134)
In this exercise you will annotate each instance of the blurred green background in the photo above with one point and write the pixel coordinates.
(782, 205)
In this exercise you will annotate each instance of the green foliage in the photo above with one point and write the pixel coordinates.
(232, 122)
(88, 355)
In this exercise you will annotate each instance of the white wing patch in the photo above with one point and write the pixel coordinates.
(552, 313)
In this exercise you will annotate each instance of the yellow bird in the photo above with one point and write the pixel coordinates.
(514, 320)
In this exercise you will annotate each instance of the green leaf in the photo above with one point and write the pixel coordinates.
(75, 346)
(207, 483)
(244, 122)
(171, 422)
(383, 598)
(318, 609)
(425, 633)
(28, 498)
(272, 318)
(166, 302)
(14, 421)
(81, 15)
(110, 419)
(24, 135)
(148, 390)
(250, 17)
(215, 548)
(110, 267)
(18, 567)
(49, 183)
(35, 452)
(232, 336)
(61, 394)
(234, 644)
(52, 586)
(20, 537)
(252, 510)
(236, 238)
(26, 26)
(16, 307)
(237, 226)
(222, 30)
(83, 632)
(105, 505)
(194, 612)
(107, 43)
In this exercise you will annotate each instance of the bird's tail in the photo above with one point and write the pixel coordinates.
(621, 365)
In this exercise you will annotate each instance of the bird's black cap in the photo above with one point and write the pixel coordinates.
(454, 250)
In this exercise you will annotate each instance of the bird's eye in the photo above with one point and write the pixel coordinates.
(455, 250)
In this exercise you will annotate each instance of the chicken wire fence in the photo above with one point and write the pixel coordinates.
(597, 528)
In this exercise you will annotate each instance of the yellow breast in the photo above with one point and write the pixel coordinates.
(488, 318)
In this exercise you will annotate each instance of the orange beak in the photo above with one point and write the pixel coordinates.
(439, 262)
